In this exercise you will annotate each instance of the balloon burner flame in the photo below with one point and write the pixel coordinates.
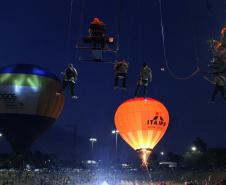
(144, 155)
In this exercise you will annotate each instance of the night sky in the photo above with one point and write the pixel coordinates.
(39, 32)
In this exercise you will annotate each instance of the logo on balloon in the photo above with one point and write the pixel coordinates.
(8, 96)
(10, 100)
(156, 121)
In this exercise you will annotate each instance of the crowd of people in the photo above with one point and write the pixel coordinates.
(108, 177)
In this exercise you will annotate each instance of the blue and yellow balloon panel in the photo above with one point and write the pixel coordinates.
(28, 103)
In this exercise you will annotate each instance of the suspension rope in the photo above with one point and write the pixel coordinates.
(172, 74)
(129, 38)
(70, 19)
(196, 53)
(80, 23)
(120, 9)
(69, 37)
(137, 38)
(210, 18)
(148, 172)
(81, 20)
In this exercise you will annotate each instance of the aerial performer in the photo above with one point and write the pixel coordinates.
(223, 36)
(144, 80)
(219, 52)
(142, 123)
(97, 32)
(70, 76)
(219, 83)
(218, 49)
(97, 41)
(121, 72)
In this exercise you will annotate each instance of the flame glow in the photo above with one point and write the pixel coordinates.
(144, 155)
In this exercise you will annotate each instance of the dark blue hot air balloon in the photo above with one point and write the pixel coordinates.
(28, 103)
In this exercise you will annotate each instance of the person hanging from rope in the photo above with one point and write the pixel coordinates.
(70, 76)
(218, 62)
(219, 83)
(121, 72)
(145, 79)
(97, 33)
(223, 37)
(218, 48)
(218, 51)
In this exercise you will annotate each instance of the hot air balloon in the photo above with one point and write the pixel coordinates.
(142, 122)
(28, 103)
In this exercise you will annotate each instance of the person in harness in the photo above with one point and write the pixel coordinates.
(70, 76)
(219, 83)
(145, 79)
(121, 72)
(97, 33)
(223, 37)
(218, 52)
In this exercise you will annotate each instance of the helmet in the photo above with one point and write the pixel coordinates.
(70, 65)
(144, 64)
(97, 21)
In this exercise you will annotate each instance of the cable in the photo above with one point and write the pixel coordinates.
(70, 19)
(120, 8)
(81, 20)
(80, 23)
(196, 71)
(211, 22)
(210, 17)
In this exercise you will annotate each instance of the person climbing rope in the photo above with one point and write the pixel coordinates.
(145, 79)
(121, 72)
(70, 76)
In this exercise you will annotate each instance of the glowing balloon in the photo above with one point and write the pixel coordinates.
(142, 123)
(28, 103)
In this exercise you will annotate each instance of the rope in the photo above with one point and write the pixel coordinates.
(70, 19)
(129, 36)
(210, 18)
(81, 20)
(193, 32)
(148, 172)
(137, 38)
(71, 43)
(196, 71)
(120, 8)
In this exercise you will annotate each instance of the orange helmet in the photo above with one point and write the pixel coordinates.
(223, 29)
(97, 21)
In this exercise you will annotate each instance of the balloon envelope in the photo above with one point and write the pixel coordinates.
(28, 103)
(142, 122)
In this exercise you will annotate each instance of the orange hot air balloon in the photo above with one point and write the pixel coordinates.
(142, 123)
